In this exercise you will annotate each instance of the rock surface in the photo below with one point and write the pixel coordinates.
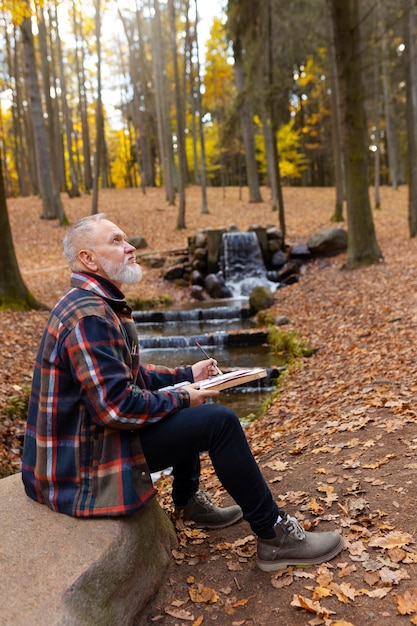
(59, 570)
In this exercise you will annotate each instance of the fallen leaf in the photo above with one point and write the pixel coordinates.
(407, 603)
(394, 539)
(312, 606)
(203, 594)
(185, 615)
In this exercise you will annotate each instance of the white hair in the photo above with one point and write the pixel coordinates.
(76, 235)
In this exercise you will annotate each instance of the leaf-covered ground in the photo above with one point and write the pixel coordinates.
(338, 447)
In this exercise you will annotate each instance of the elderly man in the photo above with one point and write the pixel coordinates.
(99, 421)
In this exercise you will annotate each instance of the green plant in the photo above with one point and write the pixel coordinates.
(288, 344)
(17, 405)
(265, 318)
(141, 304)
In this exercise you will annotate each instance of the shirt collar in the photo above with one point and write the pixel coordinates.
(98, 284)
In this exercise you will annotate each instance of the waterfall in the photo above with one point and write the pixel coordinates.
(243, 265)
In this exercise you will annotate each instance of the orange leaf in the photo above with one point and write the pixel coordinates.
(407, 603)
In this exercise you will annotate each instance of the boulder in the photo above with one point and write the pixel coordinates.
(138, 241)
(328, 241)
(261, 298)
(63, 571)
(216, 287)
(177, 271)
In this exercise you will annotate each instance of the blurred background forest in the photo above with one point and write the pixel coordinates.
(143, 93)
(143, 83)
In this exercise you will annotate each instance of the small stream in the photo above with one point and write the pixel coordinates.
(227, 332)
(224, 328)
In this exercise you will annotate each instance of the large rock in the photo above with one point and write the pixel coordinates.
(261, 298)
(328, 241)
(62, 571)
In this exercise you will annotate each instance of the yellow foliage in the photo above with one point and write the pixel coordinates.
(18, 10)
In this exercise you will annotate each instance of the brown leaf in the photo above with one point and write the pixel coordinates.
(394, 539)
(312, 606)
(203, 594)
(407, 603)
(180, 614)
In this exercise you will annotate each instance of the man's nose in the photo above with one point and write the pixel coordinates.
(129, 247)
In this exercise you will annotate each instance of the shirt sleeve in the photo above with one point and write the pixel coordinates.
(98, 357)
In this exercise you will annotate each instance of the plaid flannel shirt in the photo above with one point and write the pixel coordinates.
(90, 396)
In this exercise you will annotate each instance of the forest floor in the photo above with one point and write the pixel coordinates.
(338, 446)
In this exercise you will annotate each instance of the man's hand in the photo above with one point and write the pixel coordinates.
(204, 369)
(199, 396)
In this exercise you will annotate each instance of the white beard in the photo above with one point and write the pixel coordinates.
(121, 272)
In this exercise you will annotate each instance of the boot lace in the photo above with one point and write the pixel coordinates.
(293, 528)
(203, 498)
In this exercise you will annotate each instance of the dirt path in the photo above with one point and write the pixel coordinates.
(338, 447)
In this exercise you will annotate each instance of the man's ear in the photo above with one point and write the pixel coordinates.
(87, 259)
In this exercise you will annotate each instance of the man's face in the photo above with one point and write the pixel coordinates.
(114, 257)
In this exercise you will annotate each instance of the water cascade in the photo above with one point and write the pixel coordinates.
(243, 265)
(228, 333)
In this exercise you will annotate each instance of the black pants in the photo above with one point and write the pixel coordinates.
(177, 441)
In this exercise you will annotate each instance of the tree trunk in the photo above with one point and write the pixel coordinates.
(246, 122)
(204, 207)
(99, 115)
(13, 291)
(82, 100)
(47, 61)
(363, 248)
(73, 190)
(161, 97)
(274, 124)
(336, 130)
(394, 156)
(51, 202)
(16, 109)
(411, 51)
(179, 106)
